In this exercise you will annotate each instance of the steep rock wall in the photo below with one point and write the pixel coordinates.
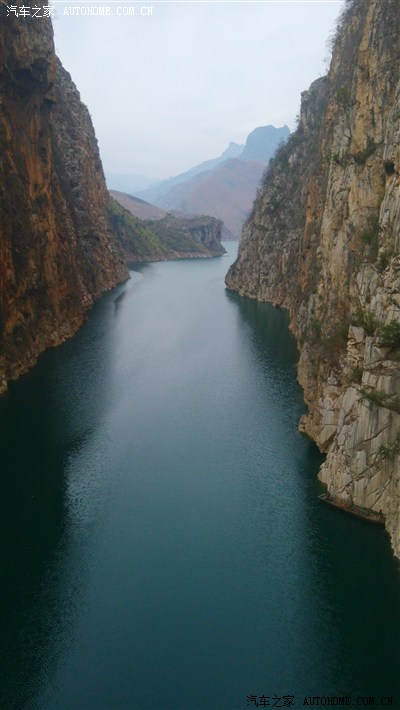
(168, 237)
(323, 240)
(199, 235)
(58, 251)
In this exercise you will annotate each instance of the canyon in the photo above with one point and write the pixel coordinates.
(63, 240)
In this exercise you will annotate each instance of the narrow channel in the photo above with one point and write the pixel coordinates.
(164, 544)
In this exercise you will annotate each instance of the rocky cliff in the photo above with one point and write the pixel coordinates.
(162, 236)
(183, 236)
(323, 240)
(58, 251)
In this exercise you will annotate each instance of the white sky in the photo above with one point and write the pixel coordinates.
(171, 89)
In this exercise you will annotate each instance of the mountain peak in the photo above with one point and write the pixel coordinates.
(232, 151)
(261, 143)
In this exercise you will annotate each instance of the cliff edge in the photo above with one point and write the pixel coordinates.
(162, 236)
(58, 250)
(323, 240)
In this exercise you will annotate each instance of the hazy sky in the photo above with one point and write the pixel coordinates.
(170, 89)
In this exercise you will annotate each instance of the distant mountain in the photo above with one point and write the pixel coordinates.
(166, 237)
(226, 192)
(128, 183)
(262, 143)
(139, 208)
(157, 189)
(224, 187)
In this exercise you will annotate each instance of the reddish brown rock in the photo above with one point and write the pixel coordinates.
(58, 251)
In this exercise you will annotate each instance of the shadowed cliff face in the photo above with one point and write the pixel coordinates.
(58, 251)
(323, 240)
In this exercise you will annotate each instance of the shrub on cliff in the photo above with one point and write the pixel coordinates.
(390, 334)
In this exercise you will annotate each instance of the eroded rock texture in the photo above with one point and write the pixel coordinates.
(323, 240)
(58, 251)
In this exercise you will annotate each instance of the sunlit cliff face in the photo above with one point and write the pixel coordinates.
(58, 251)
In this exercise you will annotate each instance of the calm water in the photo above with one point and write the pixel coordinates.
(164, 546)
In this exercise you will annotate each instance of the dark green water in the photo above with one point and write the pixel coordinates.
(163, 542)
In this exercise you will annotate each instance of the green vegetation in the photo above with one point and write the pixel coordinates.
(385, 452)
(165, 238)
(176, 234)
(333, 343)
(369, 235)
(381, 399)
(281, 159)
(389, 167)
(372, 396)
(340, 24)
(136, 238)
(330, 344)
(356, 375)
(389, 452)
(369, 238)
(383, 260)
(361, 156)
(283, 154)
(343, 96)
(390, 334)
(365, 319)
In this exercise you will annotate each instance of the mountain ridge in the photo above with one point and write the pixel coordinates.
(161, 186)
(226, 189)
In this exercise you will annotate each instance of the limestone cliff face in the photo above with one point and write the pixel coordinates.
(323, 240)
(58, 252)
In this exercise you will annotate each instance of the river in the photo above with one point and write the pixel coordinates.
(163, 543)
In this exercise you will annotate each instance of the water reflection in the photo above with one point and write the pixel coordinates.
(269, 327)
(174, 553)
(358, 582)
(359, 641)
(33, 524)
(45, 420)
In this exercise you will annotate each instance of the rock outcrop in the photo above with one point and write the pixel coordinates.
(58, 251)
(162, 236)
(185, 237)
(323, 240)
